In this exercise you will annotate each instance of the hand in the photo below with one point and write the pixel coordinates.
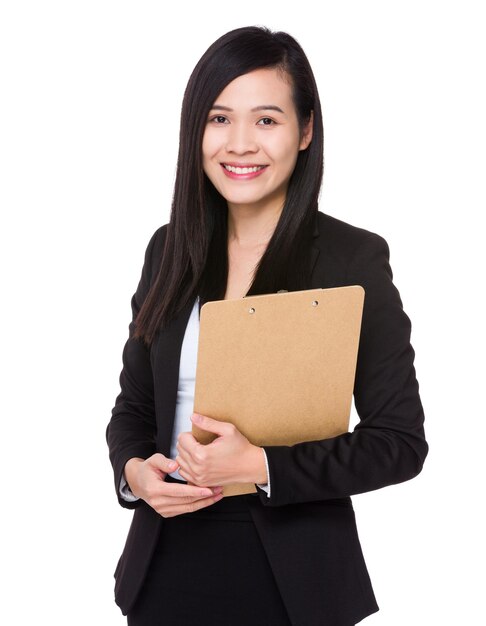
(146, 479)
(230, 458)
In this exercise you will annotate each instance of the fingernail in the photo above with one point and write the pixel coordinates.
(217, 489)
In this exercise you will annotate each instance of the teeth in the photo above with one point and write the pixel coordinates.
(243, 170)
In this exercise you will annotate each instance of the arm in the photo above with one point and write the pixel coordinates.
(131, 430)
(388, 445)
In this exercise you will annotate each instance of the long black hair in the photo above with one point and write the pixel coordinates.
(195, 258)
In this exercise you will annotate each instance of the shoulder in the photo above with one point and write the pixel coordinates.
(157, 239)
(155, 247)
(349, 254)
(343, 239)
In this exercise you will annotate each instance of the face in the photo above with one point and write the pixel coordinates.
(252, 140)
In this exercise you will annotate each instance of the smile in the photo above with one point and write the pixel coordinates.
(245, 172)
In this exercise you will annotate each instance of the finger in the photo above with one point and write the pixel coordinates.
(163, 463)
(188, 449)
(185, 469)
(185, 474)
(182, 503)
(189, 478)
(187, 440)
(175, 490)
(171, 510)
(169, 501)
(185, 451)
(190, 454)
(180, 497)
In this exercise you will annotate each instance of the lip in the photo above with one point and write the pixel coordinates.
(235, 164)
(248, 176)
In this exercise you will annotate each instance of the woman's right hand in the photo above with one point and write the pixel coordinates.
(146, 479)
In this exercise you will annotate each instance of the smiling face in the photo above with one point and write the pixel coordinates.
(252, 140)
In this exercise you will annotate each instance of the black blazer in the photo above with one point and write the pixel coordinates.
(307, 526)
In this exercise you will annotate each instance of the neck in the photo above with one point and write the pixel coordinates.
(248, 226)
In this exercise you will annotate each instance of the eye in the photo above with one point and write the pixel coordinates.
(267, 121)
(219, 119)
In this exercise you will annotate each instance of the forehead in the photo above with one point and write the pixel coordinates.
(261, 86)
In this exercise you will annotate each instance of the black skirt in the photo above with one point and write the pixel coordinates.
(210, 568)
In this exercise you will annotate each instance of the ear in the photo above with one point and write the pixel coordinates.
(306, 136)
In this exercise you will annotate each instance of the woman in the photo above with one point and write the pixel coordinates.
(245, 221)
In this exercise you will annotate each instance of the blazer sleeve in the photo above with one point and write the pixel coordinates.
(388, 444)
(131, 430)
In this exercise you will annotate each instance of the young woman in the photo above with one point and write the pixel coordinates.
(245, 221)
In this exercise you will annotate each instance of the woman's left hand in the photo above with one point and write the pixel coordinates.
(230, 458)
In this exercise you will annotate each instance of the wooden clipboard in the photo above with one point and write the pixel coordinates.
(281, 366)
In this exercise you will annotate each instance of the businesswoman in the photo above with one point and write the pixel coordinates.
(245, 221)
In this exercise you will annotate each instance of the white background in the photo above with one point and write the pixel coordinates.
(90, 104)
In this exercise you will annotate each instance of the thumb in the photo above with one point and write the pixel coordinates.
(208, 423)
(163, 463)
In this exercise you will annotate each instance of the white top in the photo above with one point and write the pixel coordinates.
(185, 397)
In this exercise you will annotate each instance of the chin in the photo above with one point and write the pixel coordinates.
(241, 196)
(242, 200)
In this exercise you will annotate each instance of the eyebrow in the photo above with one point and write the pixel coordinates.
(262, 107)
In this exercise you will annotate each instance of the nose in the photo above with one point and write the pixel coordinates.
(241, 139)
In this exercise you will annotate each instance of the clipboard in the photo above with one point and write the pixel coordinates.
(280, 366)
